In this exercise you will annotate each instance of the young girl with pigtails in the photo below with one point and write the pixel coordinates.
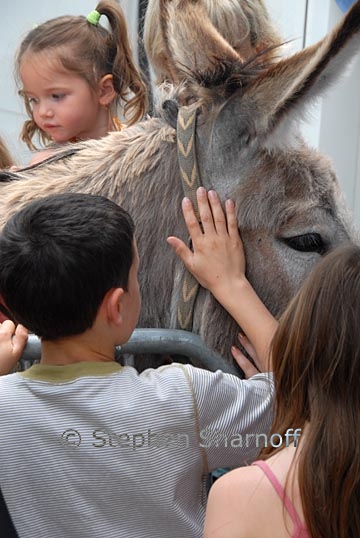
(75, 75)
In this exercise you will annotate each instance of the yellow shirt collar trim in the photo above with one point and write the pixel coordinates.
(69, 372)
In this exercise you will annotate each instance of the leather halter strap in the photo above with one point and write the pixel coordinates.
(186, 128)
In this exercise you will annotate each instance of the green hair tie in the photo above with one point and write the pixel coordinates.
(93, 17)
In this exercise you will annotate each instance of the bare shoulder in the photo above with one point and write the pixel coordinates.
(40, 156)
(234, 504)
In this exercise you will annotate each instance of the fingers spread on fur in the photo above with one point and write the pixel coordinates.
(247, 367)
(218, 213)
(191, 221)
(232, 224)
(180, 249)
(249, 348)
(205, 212)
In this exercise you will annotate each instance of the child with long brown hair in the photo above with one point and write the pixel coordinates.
(306, 481)
(74, 74)
(310, 487)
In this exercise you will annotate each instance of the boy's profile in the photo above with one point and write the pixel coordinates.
(91, 448)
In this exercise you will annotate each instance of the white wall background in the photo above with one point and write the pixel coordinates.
(334, 125)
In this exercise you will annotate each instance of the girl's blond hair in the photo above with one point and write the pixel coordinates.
(235, 20)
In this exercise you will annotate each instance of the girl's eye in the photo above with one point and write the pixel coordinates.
(32, 100)
(57, 96)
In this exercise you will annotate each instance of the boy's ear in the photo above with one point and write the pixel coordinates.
(112, 304)
(107, 91)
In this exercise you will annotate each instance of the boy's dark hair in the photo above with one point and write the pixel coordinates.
(58, 258)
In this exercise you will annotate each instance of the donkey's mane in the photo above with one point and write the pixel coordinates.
(92, 166)
(217, 83)
(228, 75)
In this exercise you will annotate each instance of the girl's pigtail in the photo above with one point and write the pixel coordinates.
(128, 83)
(28, 131)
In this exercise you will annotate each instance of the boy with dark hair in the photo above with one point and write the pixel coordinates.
(59, 258)
(91, 448)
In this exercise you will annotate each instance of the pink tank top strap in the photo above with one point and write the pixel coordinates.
(300, 530)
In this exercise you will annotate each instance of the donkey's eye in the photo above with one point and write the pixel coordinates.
(311, 242)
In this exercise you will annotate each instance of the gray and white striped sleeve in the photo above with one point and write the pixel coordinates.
(233, 415)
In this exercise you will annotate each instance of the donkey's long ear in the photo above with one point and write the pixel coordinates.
(280, 94)
(193, 44)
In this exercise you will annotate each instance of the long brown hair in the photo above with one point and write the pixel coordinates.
(90, 51)
(316, 360)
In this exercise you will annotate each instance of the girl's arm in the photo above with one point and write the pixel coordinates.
(218, 263)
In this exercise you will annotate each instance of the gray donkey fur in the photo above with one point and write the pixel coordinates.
(289, 205)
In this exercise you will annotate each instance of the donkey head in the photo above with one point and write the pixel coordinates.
(289, 204)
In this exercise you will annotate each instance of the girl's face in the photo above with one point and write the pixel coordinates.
(63, 104)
